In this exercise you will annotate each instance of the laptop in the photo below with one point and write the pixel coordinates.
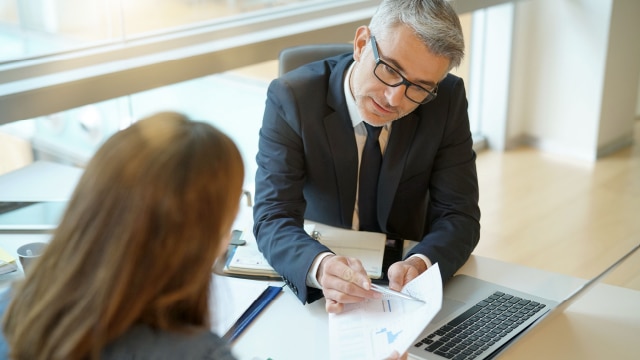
(30, 216)
(479, 319)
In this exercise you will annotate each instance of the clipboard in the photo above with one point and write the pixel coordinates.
(366, 246)
(247, 261)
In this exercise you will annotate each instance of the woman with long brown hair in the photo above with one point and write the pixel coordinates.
(127, 272)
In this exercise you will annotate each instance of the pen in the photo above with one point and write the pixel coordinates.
(387, 291)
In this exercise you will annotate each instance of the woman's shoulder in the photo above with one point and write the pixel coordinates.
(145, 343)
(5, 298)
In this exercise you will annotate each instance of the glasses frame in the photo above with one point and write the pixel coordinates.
(376, 55)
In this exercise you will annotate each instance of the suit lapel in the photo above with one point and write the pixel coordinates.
(345, 160)
(341, 138)
(393, 163)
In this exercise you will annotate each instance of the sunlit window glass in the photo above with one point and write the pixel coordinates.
(35, 27)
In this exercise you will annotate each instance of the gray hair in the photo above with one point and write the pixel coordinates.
(434, 22)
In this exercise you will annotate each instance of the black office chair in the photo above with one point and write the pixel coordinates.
(296, 56)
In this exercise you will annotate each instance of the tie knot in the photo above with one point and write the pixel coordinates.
(373, 132)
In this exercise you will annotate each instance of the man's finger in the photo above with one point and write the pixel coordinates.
(358, 273)
(347, 274)
(400, 273)
(347, 269)
(333, 307)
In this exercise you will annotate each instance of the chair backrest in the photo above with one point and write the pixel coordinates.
(296, 56)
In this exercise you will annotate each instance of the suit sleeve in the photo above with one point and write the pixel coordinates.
(279, 202)
(453, 216)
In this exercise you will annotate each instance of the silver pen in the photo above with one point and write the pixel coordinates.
(387, 291)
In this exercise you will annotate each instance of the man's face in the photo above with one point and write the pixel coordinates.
(403, 51)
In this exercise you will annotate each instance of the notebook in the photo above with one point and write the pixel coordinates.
(479, 319)
(368, 247)
(7, 262)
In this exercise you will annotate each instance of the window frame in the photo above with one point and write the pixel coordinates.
(49, 84)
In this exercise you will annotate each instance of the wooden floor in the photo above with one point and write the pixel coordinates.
(562, 215)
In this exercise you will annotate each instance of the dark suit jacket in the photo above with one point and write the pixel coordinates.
(308, 167)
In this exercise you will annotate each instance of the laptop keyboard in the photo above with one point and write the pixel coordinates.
(483, 325)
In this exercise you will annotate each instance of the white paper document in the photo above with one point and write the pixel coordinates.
(230, 304)
(375, 328)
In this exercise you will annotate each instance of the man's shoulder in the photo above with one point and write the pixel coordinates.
(451, 88)
(317, 71)
(450, 83)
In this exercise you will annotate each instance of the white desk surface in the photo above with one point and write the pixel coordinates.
(289, 330)
(603, 324)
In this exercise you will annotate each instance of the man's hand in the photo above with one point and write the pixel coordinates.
(396, 356)
(344, 280)
(402, 272)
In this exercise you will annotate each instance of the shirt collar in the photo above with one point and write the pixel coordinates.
(354, 113)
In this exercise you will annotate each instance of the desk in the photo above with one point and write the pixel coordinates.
(11, 243)
(39, 181)
(289, 330)
(603, 324)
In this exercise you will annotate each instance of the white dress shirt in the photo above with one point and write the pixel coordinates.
(360, 132)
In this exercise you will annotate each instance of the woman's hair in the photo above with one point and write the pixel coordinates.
(136, 245)
(435, 22)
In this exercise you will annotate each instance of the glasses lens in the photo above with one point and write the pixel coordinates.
(387, 74)
(391, 77)
(418, 94)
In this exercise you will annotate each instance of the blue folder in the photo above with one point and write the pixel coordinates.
(252, 312)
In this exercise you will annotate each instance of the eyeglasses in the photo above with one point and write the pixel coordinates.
(392, 77)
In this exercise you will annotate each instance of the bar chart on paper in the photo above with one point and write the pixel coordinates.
(386, 338)
(375, 328)
(389, 334)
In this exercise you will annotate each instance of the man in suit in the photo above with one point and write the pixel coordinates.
(317, 128)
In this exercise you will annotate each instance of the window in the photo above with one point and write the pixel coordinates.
(100, 83)
(31, 28)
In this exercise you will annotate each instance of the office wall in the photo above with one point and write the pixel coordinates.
(575, 70)
(638, 102)
(620, 92)
(489, 91)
